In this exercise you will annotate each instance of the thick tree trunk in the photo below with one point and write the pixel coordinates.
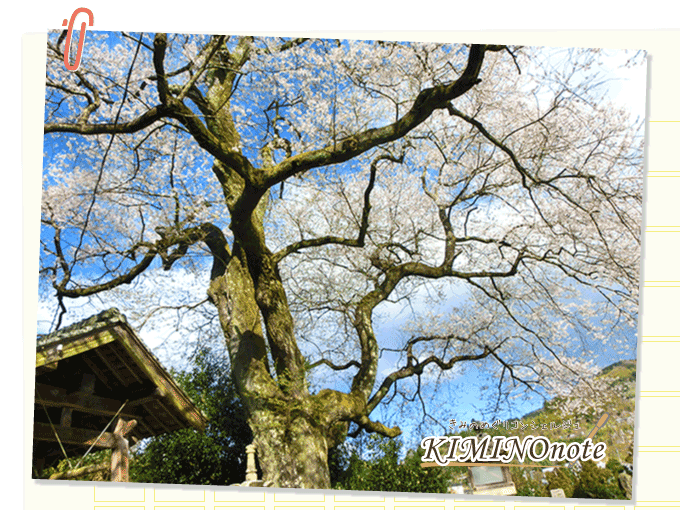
(292, 449)
(289, 426)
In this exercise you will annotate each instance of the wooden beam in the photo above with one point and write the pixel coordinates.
(123, 427)
(62, 350)
(137, 400)
(155, 418)
(66, 417)
(87, 384)
(125, 364)
(46, 368)
(86, 387)
(111, 368)
(52, 396)
(145, 429)
(87, 358)
(120, 457)
(171, 414)
(160, 377)
(70, 435)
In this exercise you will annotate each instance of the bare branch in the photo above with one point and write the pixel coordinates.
(333, 366)
(208, 233)
(417, 369)
(160, 43)
(363, 227)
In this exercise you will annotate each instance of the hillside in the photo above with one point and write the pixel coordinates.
(572, 418)
(613, 392)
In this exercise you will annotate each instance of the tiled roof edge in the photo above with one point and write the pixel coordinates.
(105, 318)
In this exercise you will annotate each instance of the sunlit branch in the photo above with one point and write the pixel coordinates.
(427, 101)
(374, 426)
(514, 58)
(526, 175)
(157, 309)
(195, 95)
(393, 274)
(145, 120)
(509, 368)
(333, 366)
(238, 59)
(59, 253)
(94, 101)
(160, 43)
(128, 36)
(216, 45)
(207, 233)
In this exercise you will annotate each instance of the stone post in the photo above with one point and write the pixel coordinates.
(251, 470)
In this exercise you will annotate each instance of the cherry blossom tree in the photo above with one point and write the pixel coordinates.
(492, 194)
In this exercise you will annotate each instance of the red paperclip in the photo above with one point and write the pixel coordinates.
(81, 40)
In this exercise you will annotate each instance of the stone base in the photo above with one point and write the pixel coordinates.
(253, 483)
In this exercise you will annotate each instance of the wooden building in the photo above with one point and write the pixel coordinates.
(96, 383)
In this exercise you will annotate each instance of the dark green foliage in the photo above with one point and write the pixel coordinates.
(561, 478)
(338, 463)
(597, 483)
(379, 469)
(95, 457)
(216, 457)
(614, 466)
(528, 482)
(591, 482)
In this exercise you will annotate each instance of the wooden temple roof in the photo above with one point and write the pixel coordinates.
(96, 369)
